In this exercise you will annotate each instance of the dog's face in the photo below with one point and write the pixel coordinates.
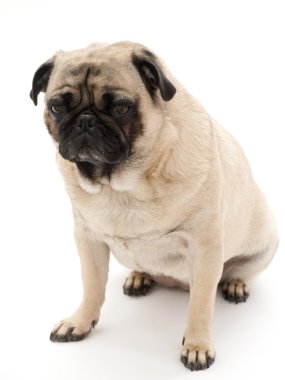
(99, 102)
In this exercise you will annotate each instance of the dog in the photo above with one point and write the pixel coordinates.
(156, 181)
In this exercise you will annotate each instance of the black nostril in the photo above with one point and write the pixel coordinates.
(85, 122)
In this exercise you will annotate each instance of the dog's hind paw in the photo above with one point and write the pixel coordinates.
(137, 284)
(235, 291)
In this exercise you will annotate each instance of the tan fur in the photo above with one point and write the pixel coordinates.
(183, 206)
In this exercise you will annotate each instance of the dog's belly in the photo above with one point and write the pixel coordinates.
(158, 256)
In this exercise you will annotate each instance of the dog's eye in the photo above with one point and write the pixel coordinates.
(57, 109)
(120, 110)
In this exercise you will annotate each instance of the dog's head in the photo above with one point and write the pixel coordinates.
(100, 101)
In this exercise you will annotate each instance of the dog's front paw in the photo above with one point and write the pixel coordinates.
(72, 329)
(196, 357)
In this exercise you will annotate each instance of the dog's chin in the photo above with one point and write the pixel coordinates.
(88, 185)
(92, 173)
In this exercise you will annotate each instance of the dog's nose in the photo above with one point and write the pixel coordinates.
(85, 122)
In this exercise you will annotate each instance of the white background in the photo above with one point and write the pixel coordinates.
(230, 55)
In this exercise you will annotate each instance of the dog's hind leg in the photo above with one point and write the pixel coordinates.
(239, 270)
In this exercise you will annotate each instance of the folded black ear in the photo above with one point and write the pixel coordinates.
(40, 80)
(153, 76)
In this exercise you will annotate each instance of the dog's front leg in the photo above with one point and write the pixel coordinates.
(205, 272)
(94, 259)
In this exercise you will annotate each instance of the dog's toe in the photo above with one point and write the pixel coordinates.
(137, 284)
(235, 291)
(197, 358)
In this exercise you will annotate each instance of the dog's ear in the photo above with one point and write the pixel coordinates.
(41, 78)
(152, 75)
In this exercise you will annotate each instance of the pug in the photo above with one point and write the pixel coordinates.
(155, 180)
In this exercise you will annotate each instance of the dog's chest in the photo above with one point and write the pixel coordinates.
(139, 235)
(157, 255)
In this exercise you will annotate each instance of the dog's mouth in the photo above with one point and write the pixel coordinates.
(93, 152)
(94, 165)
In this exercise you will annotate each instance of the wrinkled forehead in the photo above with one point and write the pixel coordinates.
(94, 71)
